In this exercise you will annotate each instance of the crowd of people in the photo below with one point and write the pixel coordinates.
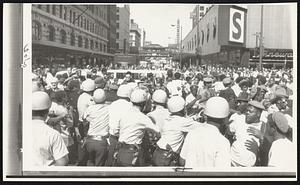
(201, 116)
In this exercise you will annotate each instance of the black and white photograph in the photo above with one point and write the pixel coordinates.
(150, 91)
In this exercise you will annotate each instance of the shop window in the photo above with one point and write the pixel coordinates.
(36, 30)
(79, 41)
(72, 39)
(63, 36)
(51, 35)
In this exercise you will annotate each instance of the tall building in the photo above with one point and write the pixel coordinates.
(135, 37)
(178, 33)
(112, 32)
(144, 37)
(71, 34)
(123, 27)
(198, 13)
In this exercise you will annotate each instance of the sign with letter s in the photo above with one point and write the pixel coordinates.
(236, 25)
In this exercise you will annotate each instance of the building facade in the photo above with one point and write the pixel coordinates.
(198, 13)
(112, 31)
(135, 37)
(226, 36)
(71, 34)
(123, 27)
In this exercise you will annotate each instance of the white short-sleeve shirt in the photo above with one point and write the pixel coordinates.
(205, 146)
(84, 101)
(158, 116)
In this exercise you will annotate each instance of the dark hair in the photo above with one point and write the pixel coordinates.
(216, 120)
(141, 104)
(128, 73)
(239, 79)
(188, 78)
(40, 113)
(177, 75)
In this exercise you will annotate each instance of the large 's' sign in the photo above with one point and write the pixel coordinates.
(236, 25)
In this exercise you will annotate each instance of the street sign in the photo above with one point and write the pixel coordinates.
(236, 25)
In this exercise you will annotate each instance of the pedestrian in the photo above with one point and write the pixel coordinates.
(205, 146)
(133, 125)
(97, 118)
(175, 87)
(47, 147)
(228, 94)
(175, 127)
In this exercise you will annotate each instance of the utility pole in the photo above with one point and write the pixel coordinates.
(261, 38)
(180, 47)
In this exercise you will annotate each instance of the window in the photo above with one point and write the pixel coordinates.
(36, 30)
(53, 10)
(201, 8)
(96, 45)
(100, 46)
(74, 17)
(48, 8)
(72, 39)
(65, 13)
(70, 15)
(92, 44)
(81, 22)
(86, 43)
(60, 11)
(39, 6)
(84, 23)
(51, 35)
(88, 25)
(118, 25)
(79, 41)
(104, 48)
(63, 36)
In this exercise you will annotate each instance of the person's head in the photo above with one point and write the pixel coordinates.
(160, 97)
(280, 99)
(253, 112)
(271, 81)
(277, 125)
(128, 76)
(244, 85)
(104, 71)
(261, 80)
(41, 104)
(242, 102)
(177, 76)
(238, 79)
(227, 82)
(138, 98)
(54, 83)
(60, 97)
(99, 96)
(100, 82)
(194, 90)
(176, 105)
(208, 82)
(88, 86)
(188, 79)
(124, 91)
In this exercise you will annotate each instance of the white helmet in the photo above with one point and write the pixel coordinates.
(138, 96)
(217, 107)
(99, 96)
(176, 104)
(124, 91)
(159, 96)
(40, 101)
(88, 85)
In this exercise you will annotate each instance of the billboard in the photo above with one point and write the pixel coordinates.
(236, 25)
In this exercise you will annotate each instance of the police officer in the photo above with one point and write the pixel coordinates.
(173, 133)
(205, 146)
(133, 125)
(97, 117)
(116, 111)
(84, 101)
(47, 146)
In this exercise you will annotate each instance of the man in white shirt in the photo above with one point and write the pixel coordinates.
(175, 86)
(83, 102)
(205, 146)
(116, 111)
(240, 155)
(47, 146)
(133, 125)
(97, 118)
(282, 151)
(175, 128)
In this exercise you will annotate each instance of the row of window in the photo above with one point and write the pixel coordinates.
(194, 42)
(77, 18)
(37, 35)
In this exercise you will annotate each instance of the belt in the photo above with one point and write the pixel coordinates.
(99, 138)
(129, 146)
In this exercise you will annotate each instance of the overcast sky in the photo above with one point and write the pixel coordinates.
(156, 20)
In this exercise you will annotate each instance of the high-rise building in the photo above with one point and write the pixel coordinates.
(135, 37)
(178, 33)
(112, 33)
(198, 13)
(123, 27)
(71, 34)
(144, 37)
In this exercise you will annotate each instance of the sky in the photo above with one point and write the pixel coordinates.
(156, 20)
